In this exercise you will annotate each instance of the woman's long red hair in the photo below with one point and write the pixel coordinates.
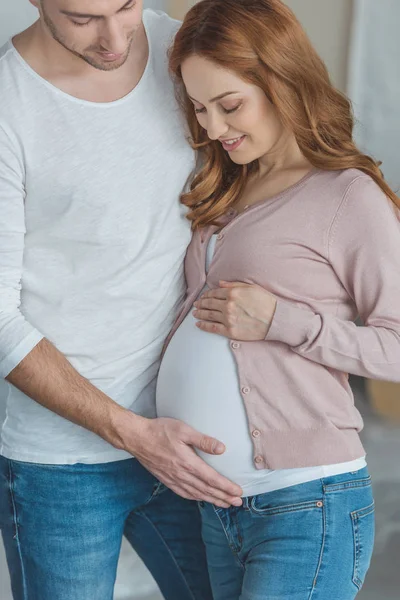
(263, 42)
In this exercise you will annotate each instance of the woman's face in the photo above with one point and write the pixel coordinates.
(232, 111)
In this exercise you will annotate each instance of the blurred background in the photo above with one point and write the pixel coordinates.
(359, 41)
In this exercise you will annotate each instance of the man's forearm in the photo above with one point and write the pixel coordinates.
(163, 446)
(46, 376)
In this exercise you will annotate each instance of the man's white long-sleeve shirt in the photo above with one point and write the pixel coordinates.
(92, 241)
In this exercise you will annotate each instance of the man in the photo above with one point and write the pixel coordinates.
(93, 158)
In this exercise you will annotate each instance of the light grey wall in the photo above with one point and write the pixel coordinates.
(15, 15)
(328, 24)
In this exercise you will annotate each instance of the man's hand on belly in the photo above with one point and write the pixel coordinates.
(165, 448)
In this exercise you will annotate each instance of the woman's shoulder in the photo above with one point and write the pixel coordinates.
(353, 189)
(341, 181)
(364, 210)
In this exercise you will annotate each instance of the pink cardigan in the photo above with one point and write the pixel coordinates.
(329, 249)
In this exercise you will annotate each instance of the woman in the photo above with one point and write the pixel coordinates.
(295, 235)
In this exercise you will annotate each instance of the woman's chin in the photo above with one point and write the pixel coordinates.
(241, 160)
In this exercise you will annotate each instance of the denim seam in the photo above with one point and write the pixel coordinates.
(363, 512)
(345, 485)
(16, 535)
(309, 505)
(142, 514)
(356, 516)
(356, 580)
(157, 489)
(235, 522)
(321, 555)
(234, 551)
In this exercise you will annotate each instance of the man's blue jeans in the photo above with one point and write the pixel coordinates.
(307, 542)
(62, 529)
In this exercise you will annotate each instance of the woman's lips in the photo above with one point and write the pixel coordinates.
(233, 145)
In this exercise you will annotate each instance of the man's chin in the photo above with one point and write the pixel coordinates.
(105, 65)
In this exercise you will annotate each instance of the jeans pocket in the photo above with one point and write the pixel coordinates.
(363, 522)
(260, 506)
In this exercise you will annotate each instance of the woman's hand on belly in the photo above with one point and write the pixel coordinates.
(237, 311)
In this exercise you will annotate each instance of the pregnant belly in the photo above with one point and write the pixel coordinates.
(198, 384)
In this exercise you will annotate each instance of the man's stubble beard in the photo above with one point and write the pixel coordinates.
(88, 59)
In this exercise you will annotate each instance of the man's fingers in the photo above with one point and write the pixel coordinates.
(181, 469)
(208, 493)
(208, 479)
(205, 443)
(190, 491)
(193, 492)
(200, 469)
(218, 482)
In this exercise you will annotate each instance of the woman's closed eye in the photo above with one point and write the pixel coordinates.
(227, 111)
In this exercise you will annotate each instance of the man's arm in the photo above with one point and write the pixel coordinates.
(164, 446)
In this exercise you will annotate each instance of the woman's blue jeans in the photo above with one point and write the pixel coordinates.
(62, 528)
(310, 541)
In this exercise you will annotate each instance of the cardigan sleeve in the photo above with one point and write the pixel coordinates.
(364, 251)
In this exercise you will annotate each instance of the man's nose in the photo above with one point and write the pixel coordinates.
(113, 36)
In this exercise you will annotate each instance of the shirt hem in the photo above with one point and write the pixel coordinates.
(64, 459)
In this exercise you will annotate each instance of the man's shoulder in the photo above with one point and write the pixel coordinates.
(9, 77)
(160, 27)
(6, 55)
(11, 68)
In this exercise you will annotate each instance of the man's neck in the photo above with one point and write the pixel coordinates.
(73, 75)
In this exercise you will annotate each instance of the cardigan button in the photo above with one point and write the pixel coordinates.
(259, 459)
(220, 236)
(246, 390)
(256, 433)
(235, 345)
